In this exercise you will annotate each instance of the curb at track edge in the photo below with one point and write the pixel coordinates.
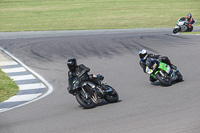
(49, 86)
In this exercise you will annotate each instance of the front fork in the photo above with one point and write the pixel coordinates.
(173, 74)
(177, 27)
(84, 94)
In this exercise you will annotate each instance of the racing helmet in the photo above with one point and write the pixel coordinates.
(71, 63)
(189, 16)
(143, 54)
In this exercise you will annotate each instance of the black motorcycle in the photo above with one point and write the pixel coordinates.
(88, 94)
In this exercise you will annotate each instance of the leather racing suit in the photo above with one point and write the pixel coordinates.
(81, 73)
(164, 59)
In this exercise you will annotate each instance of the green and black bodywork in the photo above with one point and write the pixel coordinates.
(162, 72)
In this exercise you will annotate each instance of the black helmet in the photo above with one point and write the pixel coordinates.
(71, 63)
(189, 16)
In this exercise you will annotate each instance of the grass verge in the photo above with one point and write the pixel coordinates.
(40, 15)
(191, 33)
(8, 87)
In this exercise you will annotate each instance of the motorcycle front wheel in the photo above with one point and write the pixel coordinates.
(175, 30)
(112, 96)
(163, 80)
(86, 103)
(180, 77)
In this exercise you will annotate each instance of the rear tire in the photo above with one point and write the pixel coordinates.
(86, 103)
(163, 80)
(191, 29)
(112, 96)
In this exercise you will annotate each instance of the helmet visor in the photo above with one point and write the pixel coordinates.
(143, 56)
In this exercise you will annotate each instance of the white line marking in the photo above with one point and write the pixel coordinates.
(22, 77)
(11, 70)
(7, 63)
(19, 98)
(3, 109)
(31, 86)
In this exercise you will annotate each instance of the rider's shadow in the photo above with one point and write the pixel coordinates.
(157, 83)
(107, 103)
(104, 103)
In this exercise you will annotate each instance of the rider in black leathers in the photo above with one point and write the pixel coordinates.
(80, 72)
(143, 54)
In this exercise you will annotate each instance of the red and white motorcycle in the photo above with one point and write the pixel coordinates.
(182, 26)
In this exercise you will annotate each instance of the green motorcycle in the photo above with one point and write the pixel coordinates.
(162, 72)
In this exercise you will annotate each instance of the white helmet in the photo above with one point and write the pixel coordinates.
(143, 54)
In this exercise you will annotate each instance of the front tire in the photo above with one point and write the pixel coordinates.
(175, 30)
(112, 96)
(164, 81)
(180, 77)
(86, 103)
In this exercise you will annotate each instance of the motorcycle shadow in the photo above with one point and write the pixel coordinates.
(103, 103)
(158, 83)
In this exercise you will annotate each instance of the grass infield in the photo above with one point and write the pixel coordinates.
(190, 33)
(8, 87)
(40, 15)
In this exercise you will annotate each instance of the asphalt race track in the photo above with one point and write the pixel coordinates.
(143, 107)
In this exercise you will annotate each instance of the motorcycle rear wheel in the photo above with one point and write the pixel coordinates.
(112, 96)
(190, 29)
(86, 103)
(163, 80)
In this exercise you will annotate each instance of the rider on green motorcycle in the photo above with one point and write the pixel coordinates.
(143, 54)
